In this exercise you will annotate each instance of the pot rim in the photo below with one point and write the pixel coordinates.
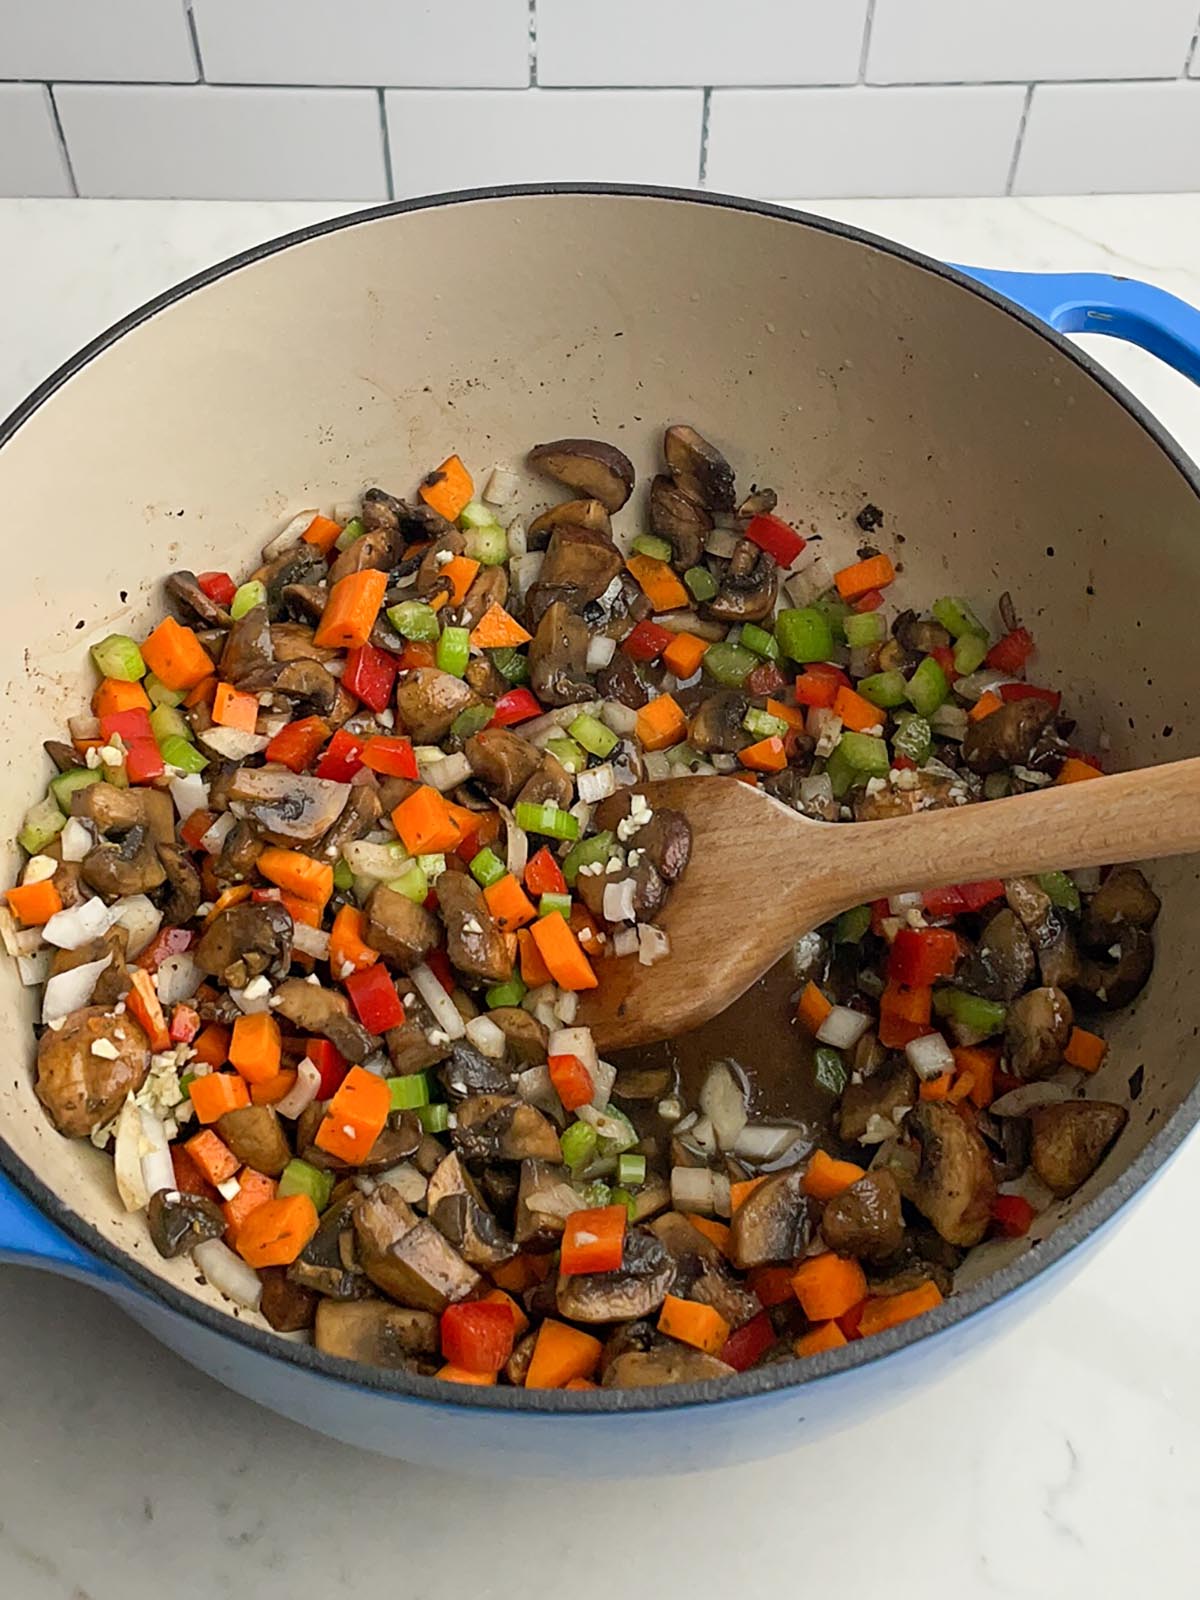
(794, 1374)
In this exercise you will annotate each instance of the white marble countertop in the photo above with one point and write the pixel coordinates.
(1062, 1462)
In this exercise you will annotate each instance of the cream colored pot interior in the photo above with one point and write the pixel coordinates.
(835, 371)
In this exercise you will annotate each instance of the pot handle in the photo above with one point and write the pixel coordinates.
(28, 1239)
(1098, 302)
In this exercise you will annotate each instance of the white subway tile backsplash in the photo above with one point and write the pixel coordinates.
(31, 158)
(238, 144)
(863, 141)
(1114, 138)
(128, 40)
(940, 41)
(458, 140)
(700, 42)
(375, 42)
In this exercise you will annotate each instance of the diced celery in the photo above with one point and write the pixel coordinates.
(865, 629)
(343, 877)
(982, 1016)
(852, 925)
(413, 619)
(434, 1118)
(865, 753)
(247, 597)
(119, 657)
(511, 664)
(956, 616)
(587, 853)
(487, 867)
(592, 734)
(884, 689)
(352, 531)
(578, 1145)
(117, 777)
(488, 545)
(159, 694)
(927, 688)
(997, 785)
(548, 819)
(64, 785)
(841, 773)
(804, 634)
(596, 1193)
(476, 515)
(42, 823)
(454, 650)
(412, 883)
(432, 865)
(649, 544)
(554, 902)
(167, 723)
(631, 1171)
(409, 1092)
(617, 1196)
(830, 1071)
(969, 652)
(763, 644)
(301, 1177)
(763, 725)
(565, 750)
(181, 753)
(613, 1145)
(1062, 890)
(913, 738)
(501, 995)
(729, 664)
(701, 582)
(683, 755)
(472, 721)
(835, 611)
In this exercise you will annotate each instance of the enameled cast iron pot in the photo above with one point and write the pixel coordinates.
(837, 366)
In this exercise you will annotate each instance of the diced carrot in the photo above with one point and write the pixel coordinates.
(768, 755)
(508, 903)
(534, 971)
(663, 589)
(188, 1177)
(212, 1155)
(227, 898)
(216, 1093)
(586, 929)
(298, 874)
(739, 1193)
(459, 573)
(792, 715)
(355, 1117)
(661, 723)
(202, 694)
(825, 1336)
(813, 1007)
(211, 1045)
(715, 1232)
(684, 654)
(144, 1007)
(691, 1322)
(497, 1297)
(447, 488)
(1075, 771)
(274, 1233)
(828, 1285)
(826, 1178)
(521, 1272)
(424, 823)
(772, 1284)
(348, 950)
(254, 1189)
(979, 1064)
(452, 1374)
(876, 572)
(887, 1310)
(256, 1047)
(234, 708)
(984, 706)
(593, 1241)
(962, 1087)
(471, 823)
(1085, 1050)
(271, 1089)
(306, 911)
(115, 695)
(856, 713)
(496, 630)
(34, 903)
(351, 610)
(570, 1080)
(936, 1088)
(323, 533)
(559, 949)
(560, 1354)
(903, 1014)
(175, 655)
(580, 1383)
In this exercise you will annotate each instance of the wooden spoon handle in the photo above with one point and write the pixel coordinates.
(1131, 816)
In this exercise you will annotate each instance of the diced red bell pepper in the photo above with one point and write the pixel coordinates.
(1030, 691)
(815, 689)
(477, 1335)
(131, 725)
(752, 1340)
(849, 1322)
(296, 745)
(518, 705)
(879, 910)
(370, 674)
(218, 586)
(343, 758)
(166, 942)
(977, 895)
(543, 875)
(774, 536)
(373, 995)
(954, 899)
(196, 826)
(871, 601)
(430, 903)
(944, 657)
(766, 678)
(919, 955)
(330, 1063)
(143, 760)
(438, 963)
(647, 641)
(416, 653)
(1012, 1215)
(185, 1024)
(571, 1080)
(1010, 653)
(392, 756)
(903, 763)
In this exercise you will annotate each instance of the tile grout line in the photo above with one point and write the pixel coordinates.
(1019, 142)
(624, 88)
(385, 135)
(868, 23)
(62, 141)
(533, 37)
(702, 174)
(195, 38)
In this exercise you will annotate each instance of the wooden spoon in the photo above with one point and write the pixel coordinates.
(760, 875)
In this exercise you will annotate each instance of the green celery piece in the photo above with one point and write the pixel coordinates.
(301, 1177)
(554, 902)
(887, 689)
(247, 597)
(507, 994)
(409, 1092)
(160, 695)
(913, 738)
(851, 927)
(578, 1145)
(763, 725)
(472, 721)
(568, 753)
(842, 774)
(927, 688)
(343, 877)
(618, 1196)
(970, 652)
(592, 734)
(511, 664)
(454, 651)
(701, 583)
(1062, 889)
(488, 545)
(167, 723)
(547, 819)
(476, 515)
(42, 823)
(615, 1145)
(865, 629)
(487, 867)
(829, 1070)
(729, 664)
(764, 644)
(119, 657)
(865, 753)
(586, 853)
(351, 532)
(983, 1017)
(804, 634)
(631, 1171)
(434, 1118)
(956, 616)
(65, 784)
(413, 619)
(413, 883)
(181, 753)
(648, 544)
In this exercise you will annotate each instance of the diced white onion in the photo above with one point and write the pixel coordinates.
(29, 941)
(809, 582)
(700, 1189)
(445, 1012)
(229, 1188)
(861, 656)
(502, 487)
(625, 942)
(596, 783)
(604, 1075)
(1085, 879)
(291, 533)
(34, 969)
(310, 941)
(760, 1141)
(523, 570)
(70, 928)
(516, 844)
(723, 1102)
(127, 1157)
(84, 727)
(38, 869)
(380, 861)
(911, 900)
(487, 1038)
(843, 1028)
(228, 1273)
(214, 839)
(1019, 1102)
(601, 650)
(618, 900)
(75, 840)
(140, 918)
(157, 1171)
(657, 765)
(620, 718)
(551, 723)
(303, 1092)
(232, 744)
(653, 944)
(574, 1042)
(950, 722)
(518, 539)
(409, 1182)
(178, 978)
(929, 1056)
(251, 1004)
(567, 1005)
(722, 543)
(556, 1200)
(448, 773)
(976, 684)
(67, 991)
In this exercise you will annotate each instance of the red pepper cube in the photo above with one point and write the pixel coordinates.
(330, 1063)
(373, 996)
(477, 1335)
(1012, 1215)
(343, 758)
(166, 942)
(143, 760)
(129, 725)
(766, 678)
(296, 745)
(646, 641)
(944, 657)
(1030, 691)
(185, 1024)
(774, 536)
(518, 705)
(977, 895)
(438, 961)
(370, 675)
(1010, 653)
(543, 875)
(752, 1340)
(920, 955)
(871, 601)
(218, 586)
(390, 755)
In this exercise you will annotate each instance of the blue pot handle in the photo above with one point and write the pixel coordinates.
(28, 1239)
(1097, 302)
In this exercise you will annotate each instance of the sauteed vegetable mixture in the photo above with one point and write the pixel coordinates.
(319, 879)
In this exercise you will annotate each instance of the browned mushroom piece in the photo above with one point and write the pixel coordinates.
(774, 1223)
(1006, 738)
(64, 756)
(551, 784)
(474, 941)
(598, 471)
(317, 1010)
(304, 601)
(680, 519)
(540, 1217)
(489, 587)
(665, 1362)
(399, 928)
(1108, 985)
(716, 724)
(81, 1090)
(311, 690)
(407, 1257)
(1002, 963)
(748, 587)
(409, 1046)
(1071, 1139)
(1050, 935)
(932, 792)
(249, 654)
(285, 1305)
(636, 1288)
(182, 903)
(244, 941)
(457, 1210)
(525, 1037)
(114, 980)
(920, 636)
(129, 865)
(759, 502)
(115, 811)
(373, 551)
(303, 563)
(288, 808)
(643, 1082)
(178, 1222)
(867, 1219)
(183, 588)
(328, 1263)
(375, 1333)
(502, 762)
(379, 509)
(1036, 1031)
(1123, 900)
(885, 1095)
(428, 701)
(468, 1071)
(362, 811)
(633, 683)
(953, 1185)
(589, 514)
(501, 1127)
(292, 641)
(699, 468)
(483, 676)
(578, 567)
(256, 1137)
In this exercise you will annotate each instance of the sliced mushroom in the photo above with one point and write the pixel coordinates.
(1036, 1031)
(249, 653)
(699, 468)
(1051, 938)
(288, 808)
(633, 683)
(774, 1223)
(499, 1127)
(373, 551)
(676, 516)
(457, 1210)
(885, 1095)
(303, 563)
(285, 1305)
(428, 701)
(502, 761)
(399, 928)
(381, 510)
(953, 1185)
(475, 944)
(186, 893)
(488, 588)
(1110, 985)
(577, 569)
(551, 784)
(920, 637)
(589, 514)
(375, 1333)
(80, 1090)
(313, 692)
(597, 470)
(666, 1362)
(362, 811)
(113, 982)
(291, 641)
(183, 588)
(867, 1219)
(758, 502)
(1071, 1139)
(1123, 900)
(932, 792)
(717, 723)
(408, 1258)
(409, 1046)
(430, 579)
(636, 1289)
(317, 1010)
(525, 1037)
(178, 1222)
(127, 866)
(322, 1264)
(304, 601)
(257, 1139)
(748, 587)
(64, 756)
(540, 1225)
(115, 811)
(1002, 963)
(244, 941)
(1007, 736)
(468, 1072)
